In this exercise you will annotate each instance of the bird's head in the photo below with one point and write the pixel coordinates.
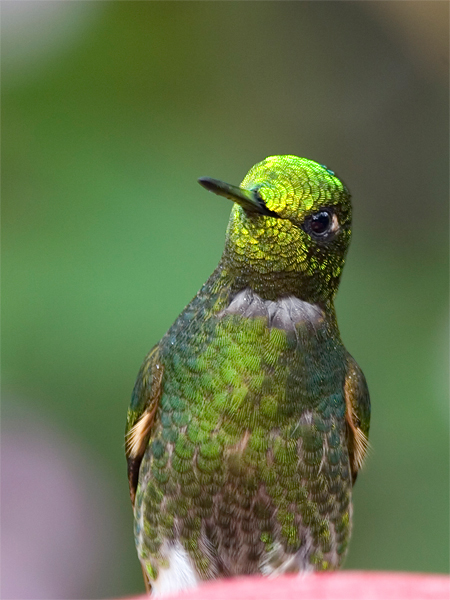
(289, 229)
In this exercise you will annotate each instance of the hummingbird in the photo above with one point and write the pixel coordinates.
(249, 419)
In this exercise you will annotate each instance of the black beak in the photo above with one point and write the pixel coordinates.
(250, 200)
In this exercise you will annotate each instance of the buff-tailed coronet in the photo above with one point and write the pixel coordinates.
(249, 419)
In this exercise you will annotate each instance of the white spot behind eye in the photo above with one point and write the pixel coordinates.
(334, 224)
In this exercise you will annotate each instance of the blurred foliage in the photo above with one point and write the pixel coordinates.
(106, 234)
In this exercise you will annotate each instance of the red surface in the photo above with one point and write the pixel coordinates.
(346, 585)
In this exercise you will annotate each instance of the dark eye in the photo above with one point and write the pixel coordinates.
(319, 224)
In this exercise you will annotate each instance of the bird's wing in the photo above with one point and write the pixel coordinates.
(357, 415)
(141, 415)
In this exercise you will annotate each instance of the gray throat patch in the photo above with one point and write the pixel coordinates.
(284, 314)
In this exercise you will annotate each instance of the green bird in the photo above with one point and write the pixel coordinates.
(249, 419)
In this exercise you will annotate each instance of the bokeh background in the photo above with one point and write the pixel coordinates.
(110, 111)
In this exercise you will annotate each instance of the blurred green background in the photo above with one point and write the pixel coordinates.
(110, 111)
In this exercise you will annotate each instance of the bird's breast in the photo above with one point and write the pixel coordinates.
(255, 362)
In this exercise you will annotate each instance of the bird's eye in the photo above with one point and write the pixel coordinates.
(319, 224)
